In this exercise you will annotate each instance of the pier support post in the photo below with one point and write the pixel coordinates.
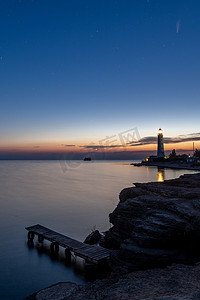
(67, 256)
(88, 266)
(30, 244)
(40, 238)
(54, 248)
(30, 236)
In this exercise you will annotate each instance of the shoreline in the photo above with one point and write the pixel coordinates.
(175, 282)
(167, 165)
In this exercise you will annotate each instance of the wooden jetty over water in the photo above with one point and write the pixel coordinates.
(91, 253)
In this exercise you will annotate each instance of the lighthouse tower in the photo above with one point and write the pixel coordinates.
(160, 151)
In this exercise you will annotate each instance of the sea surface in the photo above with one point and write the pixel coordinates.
(71, 197)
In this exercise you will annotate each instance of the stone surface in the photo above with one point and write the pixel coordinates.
(157, 224)
(177, 282)
(59, 291)
(93, 238)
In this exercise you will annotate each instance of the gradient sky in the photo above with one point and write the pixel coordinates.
(73, 72)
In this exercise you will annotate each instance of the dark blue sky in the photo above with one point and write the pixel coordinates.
(76, 71)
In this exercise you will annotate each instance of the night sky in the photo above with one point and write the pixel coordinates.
(75, 72)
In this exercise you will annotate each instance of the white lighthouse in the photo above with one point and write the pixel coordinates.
(160, 150)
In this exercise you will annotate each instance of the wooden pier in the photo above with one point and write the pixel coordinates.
(91, 253)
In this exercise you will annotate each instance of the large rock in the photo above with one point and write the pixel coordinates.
(177, 282)
(93, 238)
(156, 223)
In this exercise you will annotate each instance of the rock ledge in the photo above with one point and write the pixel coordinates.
(156, 224)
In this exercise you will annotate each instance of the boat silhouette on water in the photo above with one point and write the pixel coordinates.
(87, 159)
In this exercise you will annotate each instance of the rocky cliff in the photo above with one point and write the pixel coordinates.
(157, 224)
(154, 224)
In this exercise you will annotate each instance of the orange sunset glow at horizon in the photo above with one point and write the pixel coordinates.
(69, 147)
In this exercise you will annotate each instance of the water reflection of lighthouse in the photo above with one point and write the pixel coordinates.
(161, 175)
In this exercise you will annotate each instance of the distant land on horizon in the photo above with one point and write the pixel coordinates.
(123, 155)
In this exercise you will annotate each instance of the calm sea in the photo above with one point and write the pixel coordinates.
(71, 197)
